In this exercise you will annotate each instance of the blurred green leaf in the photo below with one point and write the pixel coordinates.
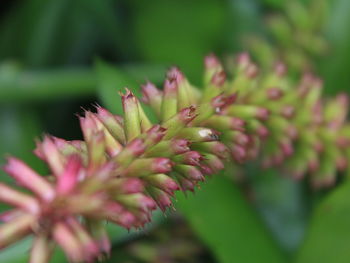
(281, 203)
(224, 220)
(19, 128)
(328, 235)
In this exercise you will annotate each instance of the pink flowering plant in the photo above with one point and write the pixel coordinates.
(127, 166)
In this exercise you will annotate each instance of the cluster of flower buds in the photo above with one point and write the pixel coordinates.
(128, 166)
(297, 34)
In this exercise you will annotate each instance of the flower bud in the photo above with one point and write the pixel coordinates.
(168, 148)
(190, 158)
(27, 177)
(112, 124)
(163, 182)
(198, 134)
(179, 121)
(137, 201)
(153, 96)
(169, 101)
(68, 242)
(223, 123)
(49, 152)
(126, 185)
(42, 249)
(67, 182)
(18, 199)
(213, 162)
(160, 197)
(248, 112)
(131, 151)
(237, 137)
(190, 172)
(146, 166)
(132, 123)
(15, 230)
(274, 93)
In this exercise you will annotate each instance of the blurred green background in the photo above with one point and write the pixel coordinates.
(57, 56)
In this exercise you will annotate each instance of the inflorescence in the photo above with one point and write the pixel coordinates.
(127, 166)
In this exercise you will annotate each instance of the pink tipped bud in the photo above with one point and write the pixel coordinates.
(147, 203)
(132, 185)
(219, 78)
(214, 163)
(238, 153)
(41, 250)
(163, 182)
(222, 101)
(18, 199)
(262, 114)
(155, 135)
(243, 60)
(180, 146)
(191, 158)
(27, 177)
(186, 185)
(136, 201)
(252, 71)
(237, 123)
(16, 230)
(206, 169)
(90, 247)
(170, 87)
(50, 153)
(262, 131)
(132, 122)
(146, 166)
(179, 121)
(125, 219)
(211, 62)
(10, 215)
(287, 148)
(186, 115)
(161, 198)
(131, 151)
(67, 182)
(280, 69)
(238, 137)
(136, 147)
(68, 242)
(174, 74)
(288, 111)
(190, 172)
(217, 148)
(112, 123)
(151, 95)
(274, 93)
(162, 165)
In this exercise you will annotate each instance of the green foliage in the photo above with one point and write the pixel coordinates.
(226, 222)
(328, 237)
